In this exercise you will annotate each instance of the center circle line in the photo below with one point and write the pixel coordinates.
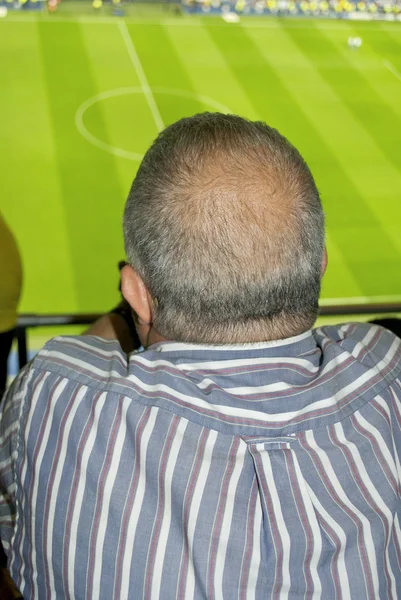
(122, 91)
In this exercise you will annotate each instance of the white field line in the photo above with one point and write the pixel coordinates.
(141, 75)
(392, 69)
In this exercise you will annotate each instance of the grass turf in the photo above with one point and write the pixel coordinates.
(63, 195)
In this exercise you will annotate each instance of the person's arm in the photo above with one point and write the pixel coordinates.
(112, 327)
(117, 325)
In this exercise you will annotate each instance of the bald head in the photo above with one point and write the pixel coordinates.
(224, 225)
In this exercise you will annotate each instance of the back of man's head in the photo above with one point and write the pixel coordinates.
(225, 226)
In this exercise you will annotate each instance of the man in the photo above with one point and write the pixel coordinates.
(241, 454)
(10, 289)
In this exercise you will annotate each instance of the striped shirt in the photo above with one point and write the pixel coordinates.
(249, 472)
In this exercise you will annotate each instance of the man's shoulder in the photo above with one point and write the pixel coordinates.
(369, 344)
(357, 331)
(88, 359)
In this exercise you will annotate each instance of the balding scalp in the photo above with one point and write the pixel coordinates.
(225, 226)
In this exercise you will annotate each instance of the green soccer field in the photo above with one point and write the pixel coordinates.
(83, 96)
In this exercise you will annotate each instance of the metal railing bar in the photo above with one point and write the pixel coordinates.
(48, 320)
(30, 321)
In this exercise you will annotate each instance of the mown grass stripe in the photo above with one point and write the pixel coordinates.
(30, 193)
(370, 65)
(355, 91)
(89, 183)
(164, 69)
(208, 70)
(385, 42)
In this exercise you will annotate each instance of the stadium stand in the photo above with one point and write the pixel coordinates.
(340, 9)
(389, 10)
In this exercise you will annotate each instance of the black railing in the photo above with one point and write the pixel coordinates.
(28, 321)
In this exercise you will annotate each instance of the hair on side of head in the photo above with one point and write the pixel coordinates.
(225, 226)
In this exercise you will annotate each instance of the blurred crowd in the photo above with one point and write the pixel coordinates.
(380, 9)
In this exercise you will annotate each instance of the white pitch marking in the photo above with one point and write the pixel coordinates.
(141, 75)
(92, 139)
(392, 68)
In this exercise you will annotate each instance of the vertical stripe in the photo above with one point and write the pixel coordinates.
(189, 492)
(379, 447)
(338, 495)
(101, 493)
(105, 502)
(248, 546)
(310, 526)
(219, 516)
(367, 549)
(338, 538)
(256, 556)
(37, 457)
(129, 501)
(396, 405)
(53, 485)
(397, 539)
(23, 470)
(137, 502)
(189, 589)
(160, 534)
(378, 506)
(226, 524)
(384, 410)
(395, 435)
(280, 535)
(157, 523)
(75, 504)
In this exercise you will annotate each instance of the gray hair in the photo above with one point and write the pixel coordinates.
(225, 226)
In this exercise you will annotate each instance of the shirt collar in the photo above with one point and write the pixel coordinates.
(182, 346)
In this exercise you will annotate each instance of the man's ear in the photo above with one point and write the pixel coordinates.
(136, 294)
(324, 262)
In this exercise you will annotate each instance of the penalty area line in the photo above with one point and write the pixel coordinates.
(129, 44)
